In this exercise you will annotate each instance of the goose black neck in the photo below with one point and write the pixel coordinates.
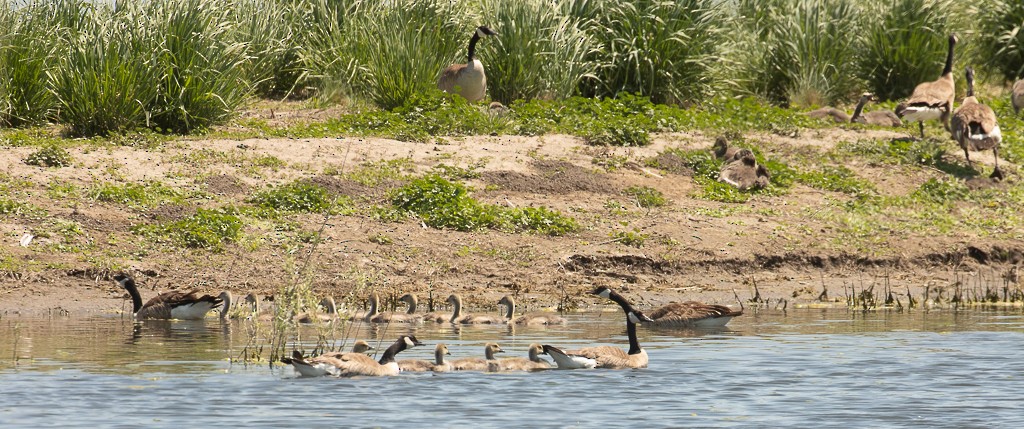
(389, 354)
(949, 58)
(634, 344)
(129, 285)
(859, 109)
(472, 46)
(511, 312)
(412, 306)
(970, 84)
(621, 300)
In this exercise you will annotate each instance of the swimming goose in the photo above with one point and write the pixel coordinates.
(437, 365)
(606, 356)
(875, 117)
(374, 304)
(407, 317)
(692, 314)
(533, 363)
(976, 128)
(467, 80)
(225, 305)
(528, 319)
(329, 314)
(168, 305)
(352, 364)
(932, 100)
(469, 319)
(475, 363)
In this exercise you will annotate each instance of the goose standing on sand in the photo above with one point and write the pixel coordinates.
(975, 127)
(531, 363)
(527, 319)
(876, 117)
(932, 100)
(692, 314)
(407, 317)
(478, 364)
(467, 80)
(352, 364)
(606, 356)
(437, 365)
(1017, 96)
(470, 319)
(168, 305)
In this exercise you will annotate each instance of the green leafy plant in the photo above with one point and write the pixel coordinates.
(647, 197)
(207, 229)
(633, 238)
(298, 196)
(50, 155)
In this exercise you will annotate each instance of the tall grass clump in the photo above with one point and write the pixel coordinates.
(270, 31)
(661, 49)
(328, 68)
(202, 70)
(1000, 37)
(539, 52)
(905, 43)
(796, 51)
(107, 78)
(27, 49)
(402, 47)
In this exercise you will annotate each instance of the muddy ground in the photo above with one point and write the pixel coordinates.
(693, 250)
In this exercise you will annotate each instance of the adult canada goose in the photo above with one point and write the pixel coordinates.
(168, 305)
(932, 100)
(467, 80)
(975, 127)
(830, 113)
(469, 319)
(743, 171)
(722, 149)
(606, 356)
(1017, 96)
(527, 319)
(407, 317)
(437, 365)
(351, 364)
(692, 314)
(475, 363)
(876, 117)
(532, 363)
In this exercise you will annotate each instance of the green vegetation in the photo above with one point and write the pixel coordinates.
(206, 229)
(137, 195)
(444, 204)
(633, 238)
(298, 196)
(646, 197)
(50, 155)
(1001, 37)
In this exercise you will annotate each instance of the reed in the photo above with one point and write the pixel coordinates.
(1000, 37)
(25, 56)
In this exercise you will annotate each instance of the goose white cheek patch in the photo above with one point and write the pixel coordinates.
(605, 293)
(633, 318)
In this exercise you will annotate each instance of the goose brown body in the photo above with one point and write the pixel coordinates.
(352, 364)
(475, 363)
(392, 317)
(829, 113)
(1017, 96)
(607, 356)
(743, 171)
(527, 319)
(692, 314)
(884, 118)
(975, 126)
(469, 79)
(531, 363)
(168, 305)
(439, 364)
(470, 319)
(932, 100)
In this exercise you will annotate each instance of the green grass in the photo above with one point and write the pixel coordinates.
(646, 197)
(50, 155)
(295, 197)
(1001, 37)
(136, 195)
(633, 238)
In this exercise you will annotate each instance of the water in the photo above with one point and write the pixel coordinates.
(829, 368)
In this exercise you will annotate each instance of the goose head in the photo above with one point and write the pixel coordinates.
(361, 347)
(483, 31)
(225, 306)
(328, 305)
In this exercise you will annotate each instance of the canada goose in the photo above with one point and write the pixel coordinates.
(692, 314)
(743, 171)
(528, 319)
(225, 305)
(351, 364)
(722, 149)
(168, 305)
(932, 100)
(407, 317)
(329, 315)
(467, 80)
(475, 363)
(1017, 96)
(469, 319)
(532, 363)
(437, 365)
(606, 356)
(831, 113)
(975, 127)
(875, 117)
(374, 304)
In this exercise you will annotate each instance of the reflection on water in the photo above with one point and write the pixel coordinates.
(831, 367)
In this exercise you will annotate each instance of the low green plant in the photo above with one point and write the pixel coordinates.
(206, 229)
(298, 196)
(135, 194)
(633, 238)
(381, 238)
(541, 220)
(646, 197)
(50, 155)
(835, 178)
